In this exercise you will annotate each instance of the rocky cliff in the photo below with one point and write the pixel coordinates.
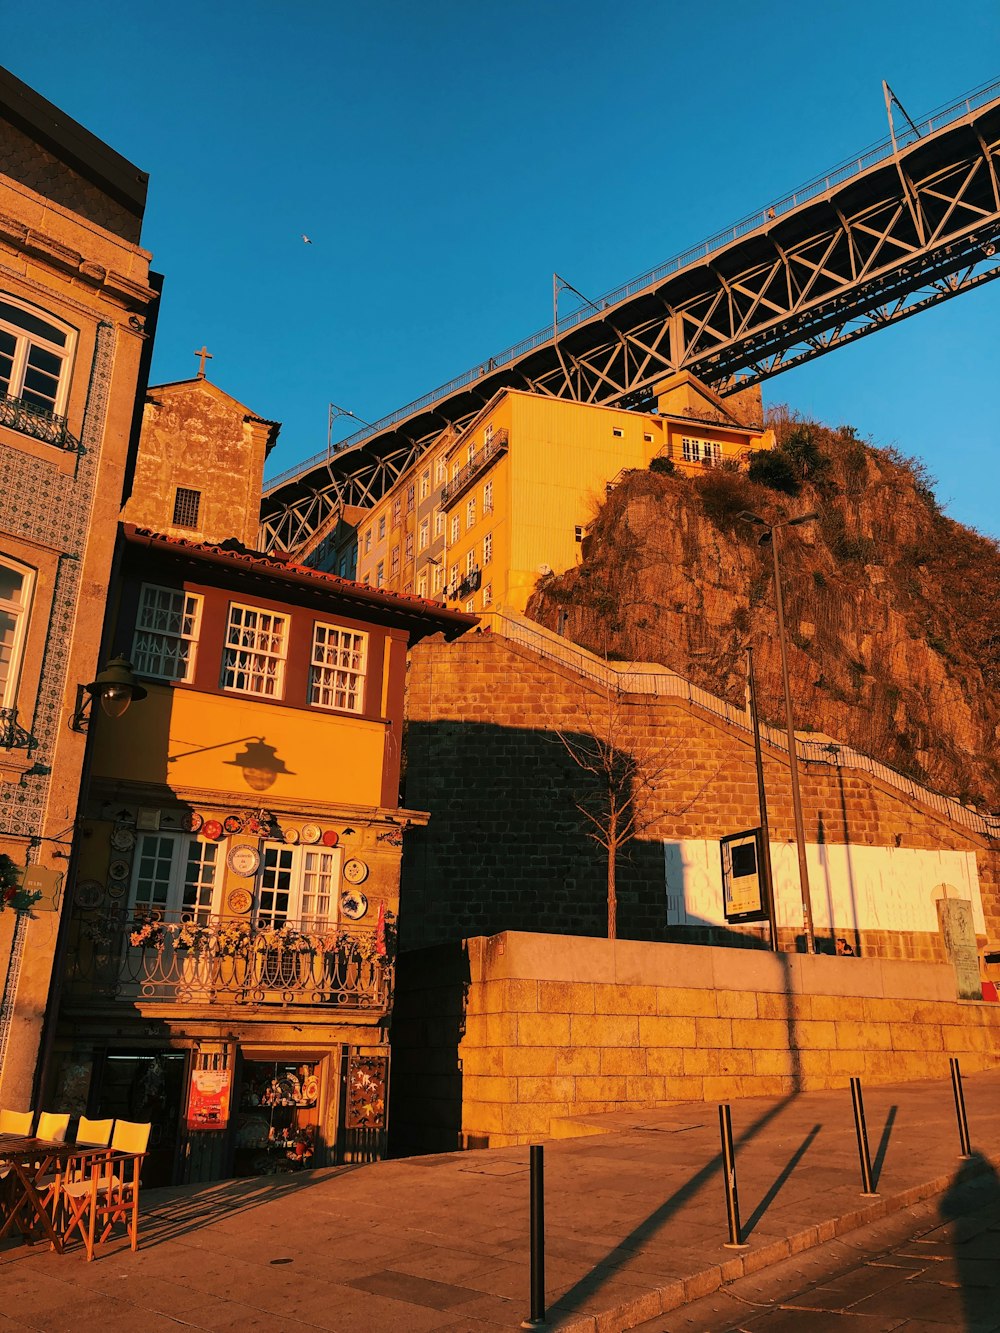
(890, 606)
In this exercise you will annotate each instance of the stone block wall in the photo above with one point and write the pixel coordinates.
(507, 849)
(499, 1041)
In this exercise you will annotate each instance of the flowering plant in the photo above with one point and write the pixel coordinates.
(148, 934)
(11, 893)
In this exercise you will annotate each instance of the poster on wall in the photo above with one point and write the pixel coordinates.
(208, 1100)
(742, 882)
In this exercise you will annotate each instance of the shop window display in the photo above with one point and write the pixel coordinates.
(276, 1128)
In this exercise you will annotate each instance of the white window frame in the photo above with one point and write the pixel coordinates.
(263, 662)
(422, 586)
(424, 538)
(487, 596)
(155, 646)
(381, 527)
(184, 897)
(368, 541)
(380, 574)
(456, 528)
(618, 432)
(487, 549)
(408, 548)
(294, 884)
(437, 578)
(20, 613)
(440, 472)
(470, 513)
(338, 667)
(439, 522)
(425, 483)
(488, 498)
(470, 561)
(27, 340)
(470, 606)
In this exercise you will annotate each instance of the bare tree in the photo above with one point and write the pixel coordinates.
(617, 802)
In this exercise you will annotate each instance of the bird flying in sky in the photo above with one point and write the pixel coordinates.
(306, 239)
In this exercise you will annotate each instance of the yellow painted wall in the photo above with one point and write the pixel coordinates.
(186, 740)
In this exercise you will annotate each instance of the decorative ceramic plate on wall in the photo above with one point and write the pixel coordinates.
(117, 889)
(311, 833)
(88, 893)
(232, 824)
(243, 860)
(355, 872)
(291, 835)
(331, 837)
(191, 822)
(118, 869)
(123, 839)
(353, 904)
(239, 901)
(211, 829)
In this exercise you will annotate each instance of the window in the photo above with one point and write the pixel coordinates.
(488, 435)
(456, 528)
(470, 606)
(470, 453)
(487, 548)
(422, 586)
(648, 438)
(337, 671)
(425, 484)
(617, 432)
(440, 472)
(452, 580)
(408, 586)
(488, 498)
(408, 554)
(411, 497)
(186, 506)
(381, 527)
(470, 514)
(394, 563)
(579, 532)
(174, 877)
(299, 885)
(368, 541)
(437, 578)
(487, 596)
(254, 658)
(380, 574)
(439, 523)
(166, 633)
(35, 355)
(397, 511)
(425, 534)
(15, 599)
(470, 561)
(691, 450)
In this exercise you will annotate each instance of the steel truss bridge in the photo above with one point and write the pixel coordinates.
(909, 223)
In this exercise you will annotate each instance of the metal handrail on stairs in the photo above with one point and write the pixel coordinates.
(632, 678)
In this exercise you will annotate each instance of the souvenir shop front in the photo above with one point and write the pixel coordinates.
(219, 1110)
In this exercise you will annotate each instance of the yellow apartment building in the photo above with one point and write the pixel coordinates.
(488, 510)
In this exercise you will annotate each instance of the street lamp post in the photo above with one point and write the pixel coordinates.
(770, 535)
(765, 833)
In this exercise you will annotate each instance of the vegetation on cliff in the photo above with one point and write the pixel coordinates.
(891, 607)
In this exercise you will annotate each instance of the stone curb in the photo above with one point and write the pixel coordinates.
(681, 1291)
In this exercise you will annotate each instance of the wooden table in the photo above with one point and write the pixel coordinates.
(29, 1159)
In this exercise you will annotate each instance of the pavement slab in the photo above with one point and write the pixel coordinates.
(635, 1230)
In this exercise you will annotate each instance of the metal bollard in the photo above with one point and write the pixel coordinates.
(861, 1127)
(537, 1317)
(735, 1241)
(963, 1120)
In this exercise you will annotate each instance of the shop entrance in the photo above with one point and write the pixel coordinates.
(145, 1086)
(278, 1117)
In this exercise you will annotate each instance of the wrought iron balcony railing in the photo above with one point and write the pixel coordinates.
(36, 422)
(496, 444)
(200, 959)
(12, 735)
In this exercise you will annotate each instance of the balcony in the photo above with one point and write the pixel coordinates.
(494, 446)
(36, 422)
(177, 960)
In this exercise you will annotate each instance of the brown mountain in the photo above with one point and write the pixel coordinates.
(891, 607)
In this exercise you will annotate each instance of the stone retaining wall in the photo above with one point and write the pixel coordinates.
(502, 1040)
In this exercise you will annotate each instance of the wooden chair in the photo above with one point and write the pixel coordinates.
(107, 1190)
(16, 1122)
(52, 1127)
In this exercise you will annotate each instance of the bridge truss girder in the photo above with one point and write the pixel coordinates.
(917, 229)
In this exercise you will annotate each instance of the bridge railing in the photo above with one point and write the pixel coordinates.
(852, 166)
(667, 683)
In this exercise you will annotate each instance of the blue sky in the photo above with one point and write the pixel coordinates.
(445, 158)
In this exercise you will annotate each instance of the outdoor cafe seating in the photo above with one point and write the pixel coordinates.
(52, 1189)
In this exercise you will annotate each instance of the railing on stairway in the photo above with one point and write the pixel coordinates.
(668, 684)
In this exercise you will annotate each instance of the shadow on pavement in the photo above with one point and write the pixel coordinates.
(783, 1175)
(883, 1145)
(972, 1205)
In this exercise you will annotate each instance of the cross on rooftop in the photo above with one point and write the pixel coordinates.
(205, 355)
